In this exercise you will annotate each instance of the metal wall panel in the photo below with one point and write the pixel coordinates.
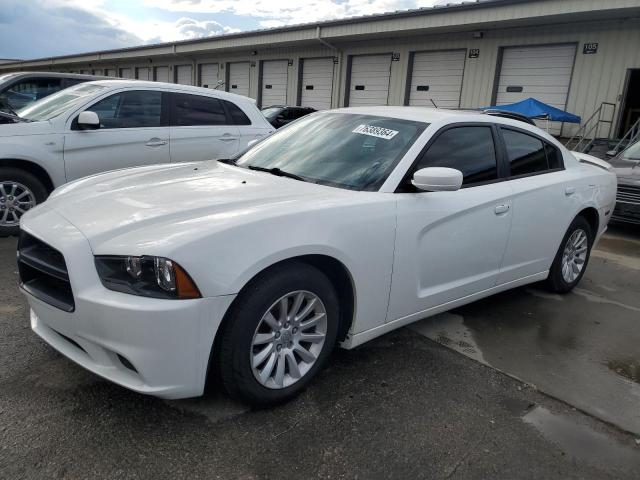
(369, 85)
(316, 90)
(436, 78)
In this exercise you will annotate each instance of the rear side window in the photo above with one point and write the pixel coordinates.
(528, 155)
(468, 149)
(194, 110)
(134, 109)
(238, 117)
(554, 157)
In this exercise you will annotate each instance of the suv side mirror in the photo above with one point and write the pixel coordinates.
(437, 179)
(88, 120)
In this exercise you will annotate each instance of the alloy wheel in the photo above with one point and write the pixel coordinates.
(574, 255)
(288, 340)
(15, 200)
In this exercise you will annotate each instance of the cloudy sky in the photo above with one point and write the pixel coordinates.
(42, 28)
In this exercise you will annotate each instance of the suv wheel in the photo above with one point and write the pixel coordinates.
(20, 191)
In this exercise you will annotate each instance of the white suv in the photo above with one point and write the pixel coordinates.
(110, 124)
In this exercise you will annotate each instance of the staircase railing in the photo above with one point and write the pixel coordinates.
(630, 137)
(587, 134)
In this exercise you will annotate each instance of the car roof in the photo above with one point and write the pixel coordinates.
(14, 75)
(126, 83)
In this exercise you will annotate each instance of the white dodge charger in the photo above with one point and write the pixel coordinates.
(337, 229)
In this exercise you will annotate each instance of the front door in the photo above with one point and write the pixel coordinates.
(130, 134)
(450, 245)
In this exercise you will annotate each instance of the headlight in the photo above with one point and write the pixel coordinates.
(156, 277)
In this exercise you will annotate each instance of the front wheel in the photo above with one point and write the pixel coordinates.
(281, 332)
(572, 257)
(20, 191)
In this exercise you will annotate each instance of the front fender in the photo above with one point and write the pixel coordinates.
(46, 151)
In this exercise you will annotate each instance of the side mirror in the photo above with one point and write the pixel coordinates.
(437, 179)
(88, 120)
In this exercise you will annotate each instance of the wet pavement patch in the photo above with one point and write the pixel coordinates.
(628, 369)
(583, 442)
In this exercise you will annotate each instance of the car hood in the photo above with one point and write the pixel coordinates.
(626, 170)
(204, 195)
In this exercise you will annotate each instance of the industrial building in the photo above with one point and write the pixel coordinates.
(582, 56)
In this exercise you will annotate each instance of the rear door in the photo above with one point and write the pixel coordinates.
(542, 196)
(132, 132)
(200, 129)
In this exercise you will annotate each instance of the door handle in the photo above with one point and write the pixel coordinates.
(155, 142)
(569, 191)
(226, 138)
(500, 209)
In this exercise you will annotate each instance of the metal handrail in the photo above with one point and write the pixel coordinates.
(587, 128)
(633, 134)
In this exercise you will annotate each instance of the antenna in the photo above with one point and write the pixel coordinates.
(434, 103)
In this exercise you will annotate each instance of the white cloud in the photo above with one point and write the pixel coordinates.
(272, 13)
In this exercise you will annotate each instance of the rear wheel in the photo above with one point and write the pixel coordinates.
(20, 191)
(280, 334)
(572, 257)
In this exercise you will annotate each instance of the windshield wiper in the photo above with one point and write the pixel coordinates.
(228, 161)
(276, 171)
(11, 117)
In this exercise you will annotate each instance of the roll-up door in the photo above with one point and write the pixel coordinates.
(274, 82)
(369, 83)
(209, 75)
(239, 78)
(125, 73)
(541, 72)
(110, 72)
(161, 74)
(437, 76)
(183, 75)
(143, 73)
(317, 83)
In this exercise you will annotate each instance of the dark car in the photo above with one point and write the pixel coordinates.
(280, 115)
(19, 89)
(627, 167)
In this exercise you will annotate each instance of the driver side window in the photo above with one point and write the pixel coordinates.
(134, 109)
(469, 149)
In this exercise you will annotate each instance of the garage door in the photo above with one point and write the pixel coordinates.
(125, 73)
(143, 73)
(274, 82)
(162, 74)
(209, 75)
(543, 73)
(369, 80)
(110, 72)
(183, 75)
(239, 78)
(317, 83)
(98, 71)
(437, 76)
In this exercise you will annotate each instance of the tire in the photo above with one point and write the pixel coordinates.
(241, 343)
(15, 180)
(558, 280)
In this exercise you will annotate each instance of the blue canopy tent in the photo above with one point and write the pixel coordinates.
(535, 109)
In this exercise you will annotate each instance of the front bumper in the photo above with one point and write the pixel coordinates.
(627, 203)
(152, 346)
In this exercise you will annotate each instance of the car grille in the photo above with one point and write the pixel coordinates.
(628, 194)
(43, 272)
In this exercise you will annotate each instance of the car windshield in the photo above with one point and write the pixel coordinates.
(53, 105)
(631, 153)
(271, 113)
(344, 150)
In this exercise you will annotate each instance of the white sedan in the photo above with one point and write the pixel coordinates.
(341, 227)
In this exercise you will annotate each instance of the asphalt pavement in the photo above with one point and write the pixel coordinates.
(401, 406)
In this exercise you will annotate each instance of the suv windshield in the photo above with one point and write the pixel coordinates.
(344, 150)
(59, 102)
